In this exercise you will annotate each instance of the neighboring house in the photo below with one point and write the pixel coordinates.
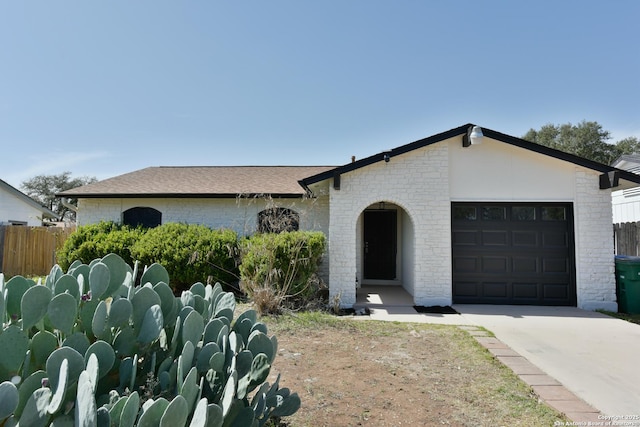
(16, 208)
(626, 203)
(446, 218)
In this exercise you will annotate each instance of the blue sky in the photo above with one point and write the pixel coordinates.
(104, 88)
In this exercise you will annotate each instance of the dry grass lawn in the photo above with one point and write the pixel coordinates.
(352, 372)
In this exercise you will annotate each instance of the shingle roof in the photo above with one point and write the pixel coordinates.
(201, 181)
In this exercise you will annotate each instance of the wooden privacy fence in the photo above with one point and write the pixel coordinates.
(626, 238)
(30, 251)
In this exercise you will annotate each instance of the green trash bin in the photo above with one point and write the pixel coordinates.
(628, 283)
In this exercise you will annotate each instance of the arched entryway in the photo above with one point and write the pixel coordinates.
(385, 247)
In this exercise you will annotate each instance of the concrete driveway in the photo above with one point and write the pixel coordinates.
(594, 356)
(597, 357)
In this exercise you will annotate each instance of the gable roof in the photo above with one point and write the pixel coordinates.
(462, 130)
(201, 181)
(46, 213)
(285, 181)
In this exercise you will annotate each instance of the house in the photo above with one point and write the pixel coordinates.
(16, 208)
(469, 215)
(626, 203)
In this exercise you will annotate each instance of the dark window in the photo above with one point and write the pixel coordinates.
(140, 216)
(464, 213)
(494, 213)
(277, 220)
(553, 213)
(523, 213)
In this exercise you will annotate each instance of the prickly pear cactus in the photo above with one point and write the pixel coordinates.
(92, 347)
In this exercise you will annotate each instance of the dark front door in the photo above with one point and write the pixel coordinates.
(513, 253)
(380, 244)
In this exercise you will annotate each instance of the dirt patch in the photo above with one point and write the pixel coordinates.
(365, 373)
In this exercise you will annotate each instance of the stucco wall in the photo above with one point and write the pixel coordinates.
(497, 171)
(14, 209)
(424, 182)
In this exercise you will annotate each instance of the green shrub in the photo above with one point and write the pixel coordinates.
(279, 266)
(93, 241)
(274, 267)
(190, 252)
(103, 350)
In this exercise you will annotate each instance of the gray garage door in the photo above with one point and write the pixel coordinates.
(515, 253)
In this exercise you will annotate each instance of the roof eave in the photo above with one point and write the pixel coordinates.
(518, 142)
(388, 154)
(179, 195)
(561, 155)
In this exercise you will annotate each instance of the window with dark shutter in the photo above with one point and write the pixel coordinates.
(142, 216)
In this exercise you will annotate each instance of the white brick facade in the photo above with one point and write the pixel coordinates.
(423, 183)
(420, 185)
(425, 253)
(595, 275)
(240, 215)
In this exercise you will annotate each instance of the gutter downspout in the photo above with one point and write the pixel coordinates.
(69, 205)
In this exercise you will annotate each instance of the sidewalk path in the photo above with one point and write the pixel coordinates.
(595, 356)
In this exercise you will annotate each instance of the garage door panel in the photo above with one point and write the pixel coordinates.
(513, 253)
(466, 264)
(495, 264)
(529, 291)
(555, 239)
(466, 237)
(555, 265)
(555, 291)
(495, 290)
(527, 239)
(525, 265)
(467, 289)
(495, 238)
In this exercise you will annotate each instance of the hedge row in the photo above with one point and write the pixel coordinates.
(192, 253)
(94, 241)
